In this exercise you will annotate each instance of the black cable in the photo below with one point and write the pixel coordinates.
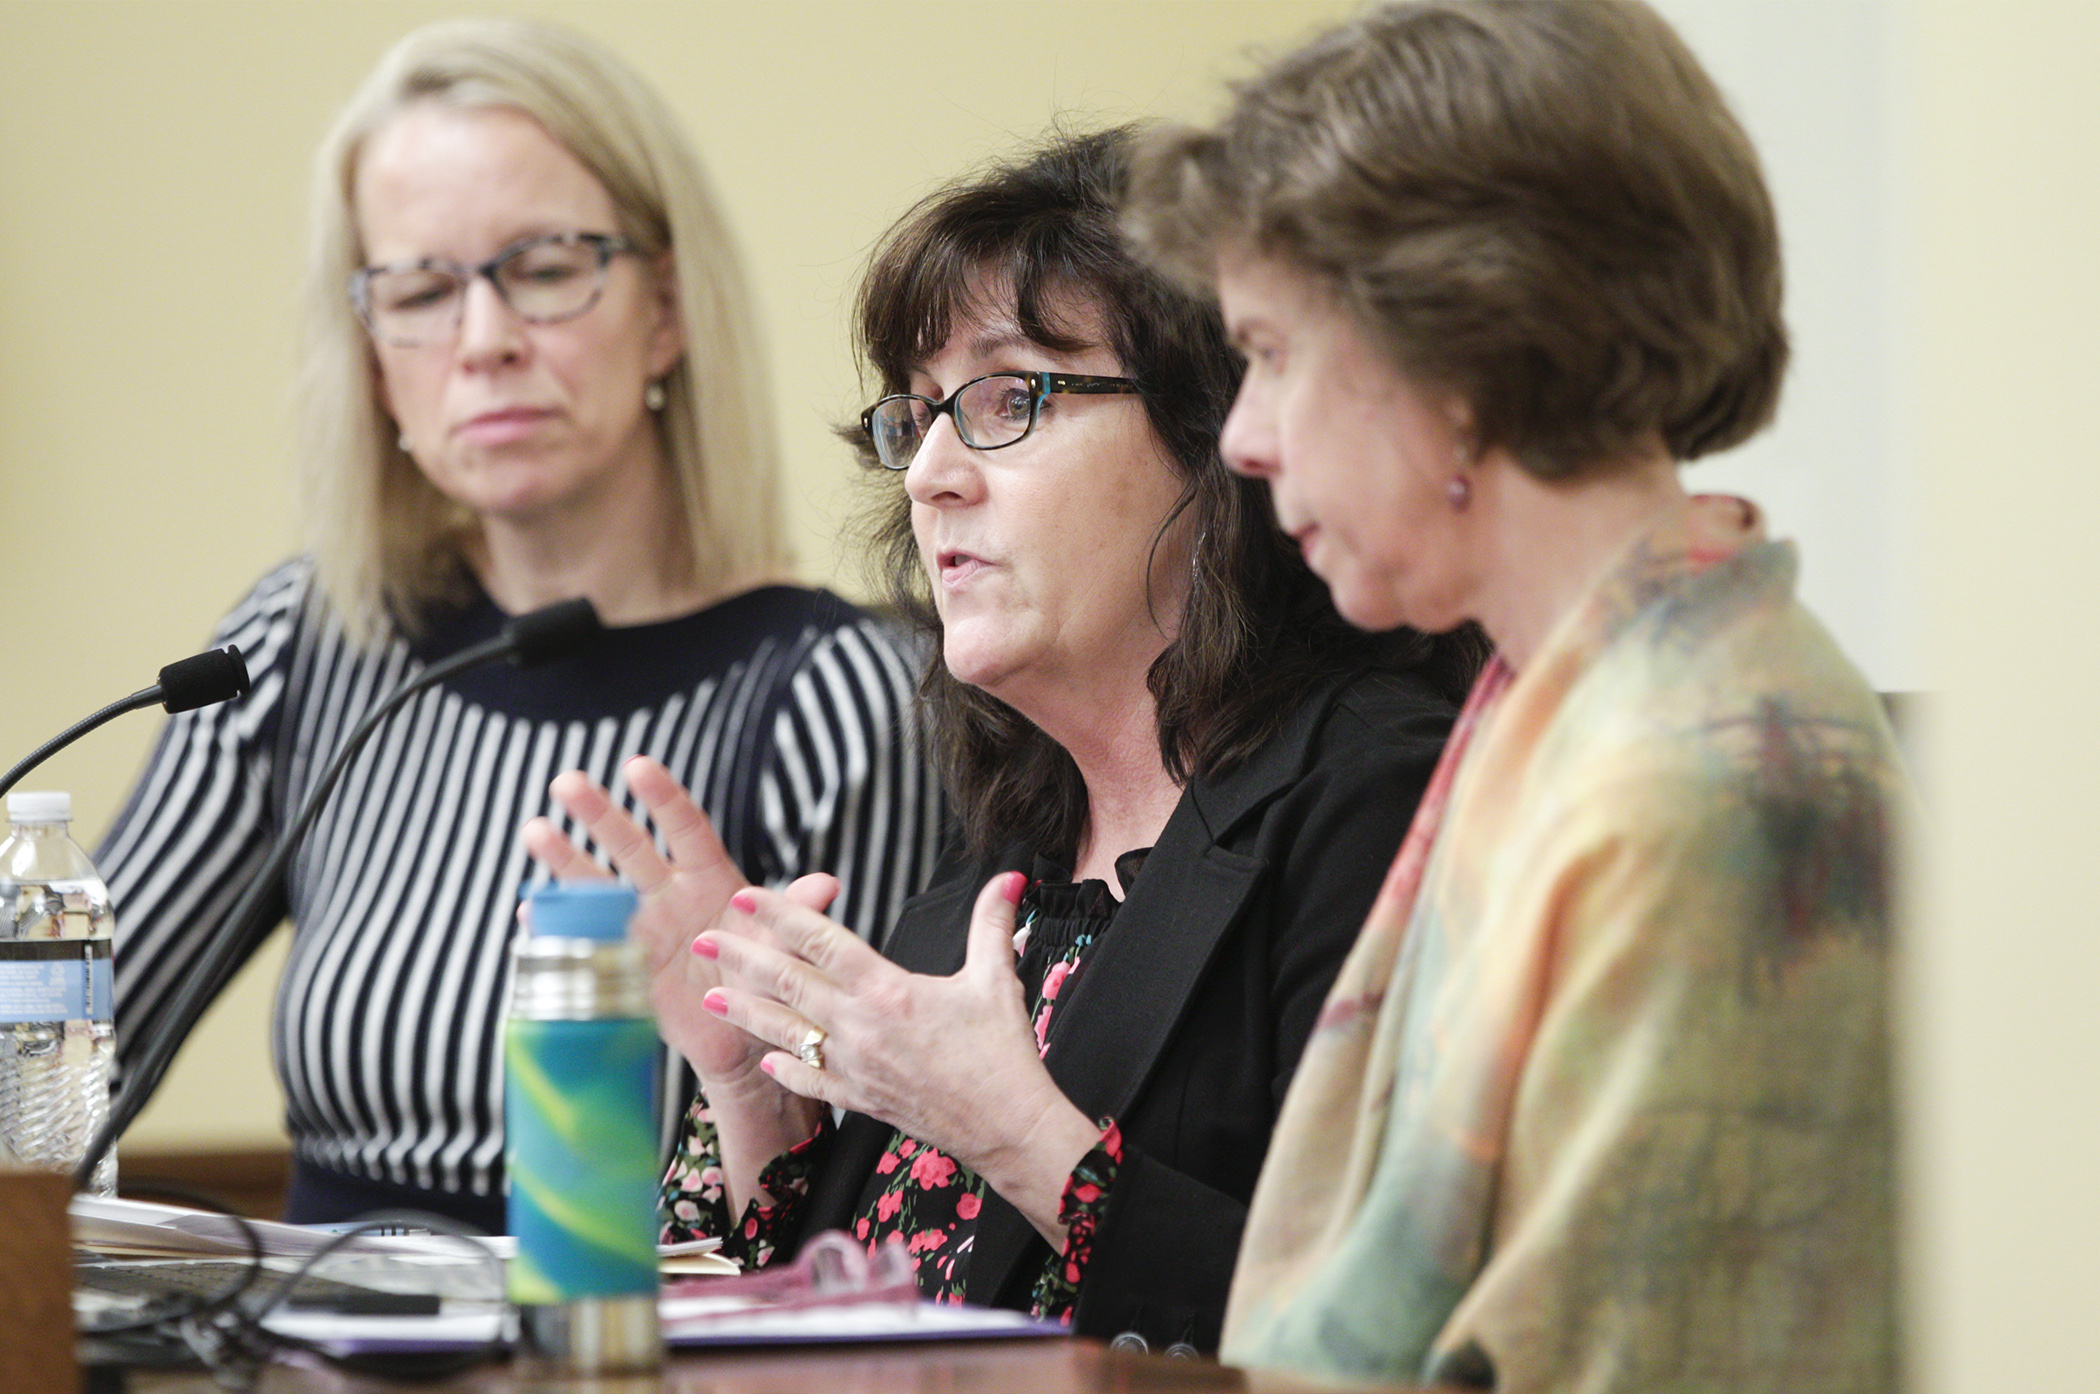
(158, 1337)
(259, 1343)
(231, 1338)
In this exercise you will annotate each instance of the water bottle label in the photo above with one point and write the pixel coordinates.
(55, 989)
(580, 1143)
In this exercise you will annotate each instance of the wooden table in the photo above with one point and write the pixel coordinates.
(959, 1367)
(34, 1254)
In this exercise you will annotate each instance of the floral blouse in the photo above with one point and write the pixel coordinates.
(917, 1193)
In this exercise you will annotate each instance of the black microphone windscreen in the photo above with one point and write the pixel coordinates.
(551, 631)
(205, 678)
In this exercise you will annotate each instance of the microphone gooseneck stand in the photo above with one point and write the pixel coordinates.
(527, 639)
(217, 675)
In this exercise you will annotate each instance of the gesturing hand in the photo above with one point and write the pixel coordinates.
(951, 1061)
(680, 897)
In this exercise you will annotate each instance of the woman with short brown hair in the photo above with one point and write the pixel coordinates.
(1600, 1099)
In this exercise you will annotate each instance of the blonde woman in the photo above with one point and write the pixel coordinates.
(530, 374)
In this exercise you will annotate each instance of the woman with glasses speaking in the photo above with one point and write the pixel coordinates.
(1181, 777)
(530, 375)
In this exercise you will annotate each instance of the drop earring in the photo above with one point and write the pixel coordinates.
(1458, 490)
(653, 396)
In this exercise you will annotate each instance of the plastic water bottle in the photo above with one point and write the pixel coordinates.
(56, 1037)
(581, 1062)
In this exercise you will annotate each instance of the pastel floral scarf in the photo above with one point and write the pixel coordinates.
(1599, 1100)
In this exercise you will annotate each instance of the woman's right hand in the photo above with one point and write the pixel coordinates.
(680, 898)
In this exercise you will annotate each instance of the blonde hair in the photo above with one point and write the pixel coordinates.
(385, 541)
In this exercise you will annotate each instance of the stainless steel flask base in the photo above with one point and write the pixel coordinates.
(592, 1335)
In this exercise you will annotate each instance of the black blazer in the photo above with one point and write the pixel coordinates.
(1191, 1013)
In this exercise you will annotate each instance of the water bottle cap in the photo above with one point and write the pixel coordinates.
(581, 910)
(40, 807)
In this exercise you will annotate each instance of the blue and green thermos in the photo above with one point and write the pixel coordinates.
(581, 1062)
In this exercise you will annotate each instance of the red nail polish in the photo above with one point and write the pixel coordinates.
(715, 1002)
(766, 1064)
(706, 947)
(744, 901)
(1016, 883)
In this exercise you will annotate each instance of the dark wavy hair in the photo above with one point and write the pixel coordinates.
(1258, 630)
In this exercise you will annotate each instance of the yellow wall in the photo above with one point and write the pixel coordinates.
(152, 173)
(153, 177)
(2001, 408)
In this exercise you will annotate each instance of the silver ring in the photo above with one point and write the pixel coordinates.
(811, 1051)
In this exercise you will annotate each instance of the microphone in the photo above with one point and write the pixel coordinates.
(217, 675)
(550, 632)
(526, 640)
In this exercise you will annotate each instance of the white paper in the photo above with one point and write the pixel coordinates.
(687, 1322)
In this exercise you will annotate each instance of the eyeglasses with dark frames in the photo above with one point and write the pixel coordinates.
(544, 280)
(990, 413)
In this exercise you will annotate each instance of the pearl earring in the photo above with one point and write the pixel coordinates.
(402, 441)
(653, 396)
(1458, 490)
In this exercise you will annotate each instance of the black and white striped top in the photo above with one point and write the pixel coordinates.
(787, 712)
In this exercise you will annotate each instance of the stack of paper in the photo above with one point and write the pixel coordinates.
(683, 1327)
(135, 1228)
(176, 1231)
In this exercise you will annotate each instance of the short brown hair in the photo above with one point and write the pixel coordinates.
(1544, 207)
(1257, 630)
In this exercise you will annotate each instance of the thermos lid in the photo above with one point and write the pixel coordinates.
(40, 808)
(580, 910)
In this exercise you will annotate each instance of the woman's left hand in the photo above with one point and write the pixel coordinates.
(951, 1061)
